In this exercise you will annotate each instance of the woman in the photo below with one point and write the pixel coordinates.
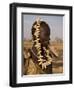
(38, 59)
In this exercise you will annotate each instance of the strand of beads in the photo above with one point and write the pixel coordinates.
(38, 44)
(41, 61)
(49, 59)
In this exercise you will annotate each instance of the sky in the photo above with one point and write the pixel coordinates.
(55, 23)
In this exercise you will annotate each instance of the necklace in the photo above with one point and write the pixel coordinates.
(37, 56)
(34, 53)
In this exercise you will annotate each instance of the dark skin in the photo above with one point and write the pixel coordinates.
(44, 36)
(44, 39)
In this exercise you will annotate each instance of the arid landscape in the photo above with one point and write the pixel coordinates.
(57, 64)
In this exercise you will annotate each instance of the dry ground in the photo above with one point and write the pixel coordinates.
(57, 66)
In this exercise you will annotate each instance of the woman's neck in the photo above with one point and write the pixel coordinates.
(34, 51)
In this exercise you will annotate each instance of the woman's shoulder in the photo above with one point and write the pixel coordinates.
(27, 53)
(53, 51)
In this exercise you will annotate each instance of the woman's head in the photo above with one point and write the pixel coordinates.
(44, 34)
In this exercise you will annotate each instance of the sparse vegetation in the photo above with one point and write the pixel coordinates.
(57, 65)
